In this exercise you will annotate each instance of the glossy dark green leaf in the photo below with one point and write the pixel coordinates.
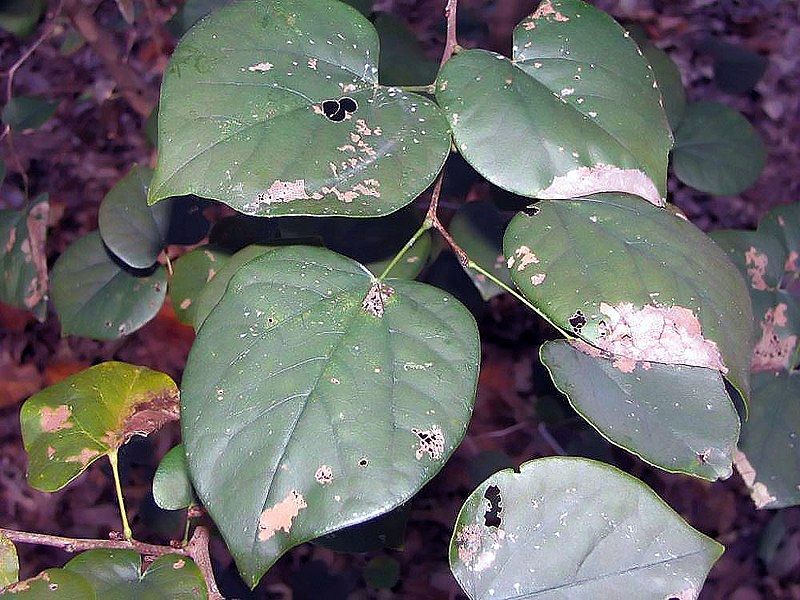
(769, 461)
(23, 260)
(190, 13)
(191, 273)
(572, 528)
(478, 228)
(378, 377)
(21, 17)
(242, 116)
(69, 425)
(172, 488)
(635, 280)
(52, 584)
(574, 112)
(385, 531)
(675, 417)
(403, 60)
(717, 150)
(96, 296)
(668, 77)
(117, 575)
(137, 233)
(28, 112)
(9, 562)
(213, 291)
(736, 69)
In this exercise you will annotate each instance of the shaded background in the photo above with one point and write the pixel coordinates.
(105, 90)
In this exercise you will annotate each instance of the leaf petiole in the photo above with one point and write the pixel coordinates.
(113, 458)
(426, 225)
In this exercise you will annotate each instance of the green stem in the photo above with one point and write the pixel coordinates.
(426, 224)
(126, 528)
(425, 89)
(501, 284)
(188, 525)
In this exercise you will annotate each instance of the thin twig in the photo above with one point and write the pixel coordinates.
(451, 43)
(196, 549)
(433, 218)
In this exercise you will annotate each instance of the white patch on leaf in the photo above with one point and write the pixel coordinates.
(584, 181)
(758, 491)
(280, 516)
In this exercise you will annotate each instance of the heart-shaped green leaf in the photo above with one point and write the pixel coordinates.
(580, 109)
(191, 273)
(9, 562)
(172, 489)
(378, 377)
(52, 584)
(253, 114)
(23, 262)
(478, 227)
(675, 417)
(28, 112)
(98, 297)
(634, 280)
(717, 150)
(574, 528)
(118, 574)
(69, 425)
(136, 232)
(670, 83)
(769, 461)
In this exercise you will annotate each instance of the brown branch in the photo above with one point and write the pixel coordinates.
(451, 43)
(196, 549)
(433, 219)
(131, 85)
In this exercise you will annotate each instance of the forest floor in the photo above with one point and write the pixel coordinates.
(96, 136)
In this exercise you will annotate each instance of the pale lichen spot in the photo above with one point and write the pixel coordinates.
(374, 302)
(261, 67)
(756, 263)
(324, 475)
(312, 63)
(178, 564)
(670, 335)
(478, 546)
(759, 492)
(544, 11)
(601, 177)
(431, 442)
(55, 419)
(526, 257)
(84, 457)
(538, 278)
(280, 516)
(773, 351)
(185, 303)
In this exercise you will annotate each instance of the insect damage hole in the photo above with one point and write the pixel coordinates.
(375, 301)
(577, 321)
(431, 442)
(338, 110)
(491, 516)
(324, 475)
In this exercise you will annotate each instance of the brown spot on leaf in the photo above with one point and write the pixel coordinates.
(146, 416)
(374, 302)
(280, 516)
(773, 351)
(55, 419)
(84, 457)
(758, 491)
(657, 334)
(756, 263)
(602, 178)
(625, 364)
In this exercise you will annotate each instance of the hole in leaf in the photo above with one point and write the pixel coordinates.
(491, 518)
(577, 321)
